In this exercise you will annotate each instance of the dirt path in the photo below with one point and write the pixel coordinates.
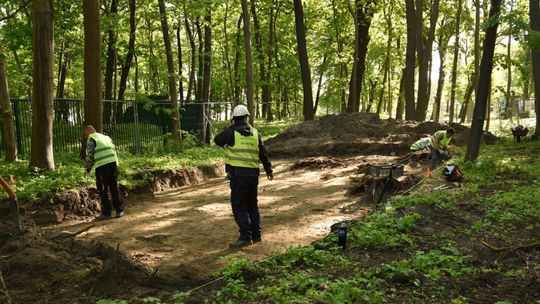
(186, 232)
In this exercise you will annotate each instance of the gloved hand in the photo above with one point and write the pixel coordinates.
(270, 175)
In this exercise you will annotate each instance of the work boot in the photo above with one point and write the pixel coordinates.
(103, 217)
(120, 214)
(239, 244)
(256, 240)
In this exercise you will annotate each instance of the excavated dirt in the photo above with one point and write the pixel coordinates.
(176, 238)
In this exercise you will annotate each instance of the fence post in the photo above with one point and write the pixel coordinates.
(137, 127)
(17, 111)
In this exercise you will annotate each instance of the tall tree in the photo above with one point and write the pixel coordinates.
(304, 61)
(410, 62)
(249, 59)
(207, 65)
(534, 19)
(110, 66)
(93, 106)
(175, 114)
(8, 130)
(453, 84)
(483, 89)
(41, 155)
(128, 61)
(424, 46)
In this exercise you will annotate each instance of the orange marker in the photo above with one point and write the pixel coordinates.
(428, 172)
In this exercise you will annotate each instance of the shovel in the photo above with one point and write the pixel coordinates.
(14, 204)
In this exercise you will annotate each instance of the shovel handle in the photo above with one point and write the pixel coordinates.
(10, 192)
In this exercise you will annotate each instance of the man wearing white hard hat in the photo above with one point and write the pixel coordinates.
(244, 150)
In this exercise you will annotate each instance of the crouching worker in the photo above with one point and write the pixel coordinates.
(518, 132)
(244, 149)
(101, 155)
(438, 146)
(421, 144)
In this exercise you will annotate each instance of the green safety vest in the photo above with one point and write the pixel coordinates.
(245, 152)
(104, 152)
(443, 142)
(418, 145)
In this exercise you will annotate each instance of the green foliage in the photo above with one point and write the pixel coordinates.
(381, 229)
(111, 302)
(304, 257)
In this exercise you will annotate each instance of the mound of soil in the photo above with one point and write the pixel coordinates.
(62, 269)
(315, 163)
(358, 134)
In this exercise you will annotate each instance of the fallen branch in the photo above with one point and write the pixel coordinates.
(522, 247)
(4, 292)
(68, 234)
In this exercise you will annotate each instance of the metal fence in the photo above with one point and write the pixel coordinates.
(133, 125)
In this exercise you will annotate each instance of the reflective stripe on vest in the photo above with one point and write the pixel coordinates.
(245, 152)
(417, 145)
(104, 152)
(443, 142)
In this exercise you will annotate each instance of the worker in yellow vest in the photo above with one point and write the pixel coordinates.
(244, 149)
(421, 144)
(438, 146)
(101, 156)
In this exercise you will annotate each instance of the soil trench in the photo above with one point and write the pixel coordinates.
(186, 232)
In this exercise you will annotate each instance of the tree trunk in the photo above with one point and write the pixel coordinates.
(362, 14)
(269, 55)
(443, 47)
(191, 81)
(400, 108)
(534, 19)
(410, 62)
(466, 100)
(93, 110)
(130, 53)
(41, 155)
(453, 84)
(249, 60)
(237, 89)
(110, 66)
(175, 115)
(342, 67)
(303, 58)
(424, 47)
(180, 65)
(8, 129)
(476, 56)
(509, 96)
(482, 92)
(200, 56)
(206, 70)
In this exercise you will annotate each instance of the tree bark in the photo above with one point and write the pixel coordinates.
(130, 53)
(41, 155)
(410, 62)
(191, 81)
(482, 92)
(424, 47)
(453, 84)
(180, 65)
(8, 129)
(304, 61)
(362, 14)
(206, 70)
(93, 109)
(110, 66)
(175, 115)
(534, 19)
(249, 59)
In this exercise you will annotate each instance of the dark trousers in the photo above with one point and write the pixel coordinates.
(244, 206)
(107, 180)
(436, 158)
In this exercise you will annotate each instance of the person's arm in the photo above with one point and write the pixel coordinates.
(226, 137)
(437, 141)
(263, 157)
(90, 149)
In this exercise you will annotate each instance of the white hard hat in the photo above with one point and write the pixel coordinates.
(240, 110)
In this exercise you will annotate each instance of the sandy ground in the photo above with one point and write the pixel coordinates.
(186, 232)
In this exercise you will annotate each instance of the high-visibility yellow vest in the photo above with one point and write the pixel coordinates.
(104, 152)
(245, 152)
(419, 145)
(443, 142)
